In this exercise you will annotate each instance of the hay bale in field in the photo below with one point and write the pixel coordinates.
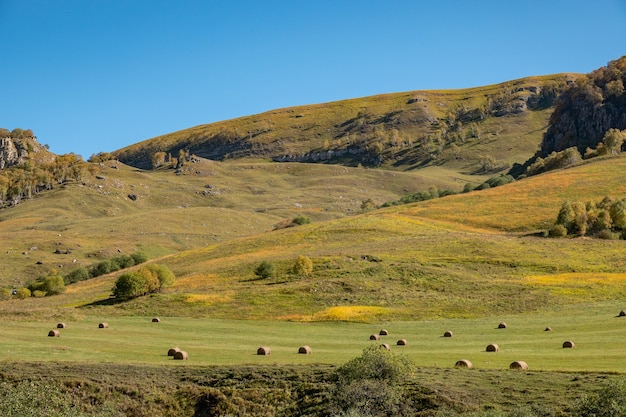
(181, 355)
(448, 333)
(622, 313)
(383, 332)
(374, 337)
(493, 348)
(172, 351)
(305, 350)
(548, 329)
(54, 333)
(519, 365)
(103, 325)
(263, 350)
(401, 342)
(156, 320)
(568, 344)
(502, 325)
(385, 346)
(61, 326)
(463, 363)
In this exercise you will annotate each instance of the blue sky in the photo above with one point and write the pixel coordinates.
(97, 75)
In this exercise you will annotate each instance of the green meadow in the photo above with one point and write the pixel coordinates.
(596, 330)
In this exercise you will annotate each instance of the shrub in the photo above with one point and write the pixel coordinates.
(5, 294)
(165, 276)
(265, 270)
(22, 293)
(610, 401)
(124, 261)
(139, 257)
(300, 220)
(101, 268)
(558, 230)
(79, 274)
(129, 285)
(303, 266)
(371, 384)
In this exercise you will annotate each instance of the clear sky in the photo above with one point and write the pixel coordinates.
(97, 75)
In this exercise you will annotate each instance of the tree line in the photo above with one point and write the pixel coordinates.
(605, 219)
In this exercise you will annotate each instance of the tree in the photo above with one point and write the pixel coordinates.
(613, 140)
(165, 276)
(303, 266)
(129, 285)
(265, 270)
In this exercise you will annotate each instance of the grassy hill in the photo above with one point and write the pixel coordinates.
(453, 130)
(467, 255)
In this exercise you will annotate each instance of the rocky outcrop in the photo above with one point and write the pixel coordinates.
(12, 152)
(587, 109)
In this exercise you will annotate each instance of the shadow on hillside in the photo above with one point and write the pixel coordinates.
(106, 302)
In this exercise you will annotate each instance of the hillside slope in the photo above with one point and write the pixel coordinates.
(475, 130)
(458, 256)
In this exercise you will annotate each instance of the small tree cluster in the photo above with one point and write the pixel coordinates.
(51, 284)
(605, 219)
(555, 160)
(105, 266)
(145, 280)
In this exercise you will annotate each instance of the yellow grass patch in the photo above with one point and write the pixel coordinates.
(577, 279)
(208, 298)
(350, 313)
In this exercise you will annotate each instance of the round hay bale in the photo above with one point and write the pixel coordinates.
(385, 346)
(172, 351)
(103, 325)
(622, 313)
(448, 333)
(548, 329)
(156, 320)
(463, 363)
(519, 365)
(181, 355)
(61, 326)
(305, 350)
(54, 333)
(568, 344)
(401, 342)
(502, 325)
(493, 348)
(263, 350)
(383, 332)
(374, 337)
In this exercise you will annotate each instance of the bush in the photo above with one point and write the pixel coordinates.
(5, 294)
(303, 266)
(371, 384)
(146, 280)
(610, 401)
(265, 270)
(129, 285)
(22, 293)
(38, 294)
(300, 220)
(558, 230)
(79, 274)
(139, 257)
(165, 276)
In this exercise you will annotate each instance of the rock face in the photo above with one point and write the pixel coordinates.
(12, 152)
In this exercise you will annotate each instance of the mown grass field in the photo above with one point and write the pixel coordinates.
(595, 329)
